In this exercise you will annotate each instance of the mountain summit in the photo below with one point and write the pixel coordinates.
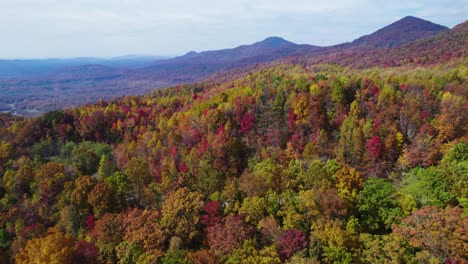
(400, 32)
(195, 66)
(273, 42)
(266, 46)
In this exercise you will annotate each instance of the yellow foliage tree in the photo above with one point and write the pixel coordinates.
(181, 213)
(348, 182)
(55, 248)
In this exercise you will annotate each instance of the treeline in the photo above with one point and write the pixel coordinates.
(318, 164)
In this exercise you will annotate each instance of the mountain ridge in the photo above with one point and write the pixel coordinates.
(405, 30)
(106, 83)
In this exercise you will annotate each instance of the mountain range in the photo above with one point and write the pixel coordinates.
(58, 83)
(21, 68)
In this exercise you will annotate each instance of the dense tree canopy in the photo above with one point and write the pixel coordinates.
(293, 163)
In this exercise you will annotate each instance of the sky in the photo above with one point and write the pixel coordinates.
(108, 28)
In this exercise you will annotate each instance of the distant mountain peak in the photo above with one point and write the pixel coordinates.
(412, 18)
(274, 42)
(411, 21)
(191, 53)
(275, 39)
(403, 31)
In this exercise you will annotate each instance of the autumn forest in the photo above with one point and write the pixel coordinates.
(300, 161)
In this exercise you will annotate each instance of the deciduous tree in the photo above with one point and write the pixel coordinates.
(54, 248)
(181, 213)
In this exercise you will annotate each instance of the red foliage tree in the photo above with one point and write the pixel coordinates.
(374, 146)
(228, 235)
(291, 120)
(290, 242)
(90, 222)
(247, 123)
(213, 214)
(85, 252)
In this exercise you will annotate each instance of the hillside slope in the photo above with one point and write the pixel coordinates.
(441, 48)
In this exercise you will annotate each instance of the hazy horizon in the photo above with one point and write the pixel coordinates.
(43, 29)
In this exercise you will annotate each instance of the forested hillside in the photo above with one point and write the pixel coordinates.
(288, 164)
(443, 48)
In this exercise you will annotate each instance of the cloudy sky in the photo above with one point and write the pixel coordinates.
(105, 28)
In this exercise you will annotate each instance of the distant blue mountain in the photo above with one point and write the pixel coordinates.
(26, 67)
